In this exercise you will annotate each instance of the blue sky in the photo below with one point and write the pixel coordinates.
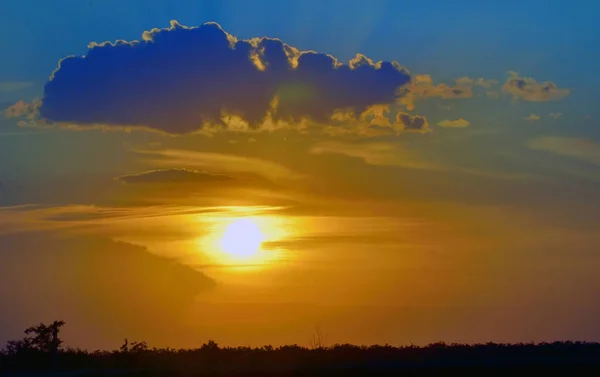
(474, 158)
(485, 39)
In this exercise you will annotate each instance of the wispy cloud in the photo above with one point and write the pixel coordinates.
(94, 219)
(395, 154)
(9, 134)
(13, 86)
(173, 176)
(374, 153)
(219, 163)
(578, 148)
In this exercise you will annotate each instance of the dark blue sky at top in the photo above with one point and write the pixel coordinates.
(551, 38)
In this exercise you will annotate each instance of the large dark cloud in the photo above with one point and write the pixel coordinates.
(178, 79)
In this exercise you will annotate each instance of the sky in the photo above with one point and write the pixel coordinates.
(249, 172)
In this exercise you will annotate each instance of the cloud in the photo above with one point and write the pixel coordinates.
(173, 176)
(219, 163)
(422, 87)
(374, 153)
(22, 109)
(555, 115)
(172, 185)
(532, 116)
(416, 123)
(395, 154)
(180, 79)
(94, 220)
(13, 86)
(528, 89)
(377, 120)
(457, 123)
(467, 81)
(578, 148)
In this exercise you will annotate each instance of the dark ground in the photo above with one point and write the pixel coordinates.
(561, 358)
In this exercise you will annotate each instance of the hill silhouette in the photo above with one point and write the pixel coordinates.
(41, 353)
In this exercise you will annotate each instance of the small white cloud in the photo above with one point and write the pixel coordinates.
(532, 116)
(457, 123)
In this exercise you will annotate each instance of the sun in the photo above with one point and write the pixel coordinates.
(244, 242)
(242, 239)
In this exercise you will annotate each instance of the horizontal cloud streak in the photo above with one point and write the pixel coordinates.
(578, 148)
(179, 79)
(399, 155)
(374, 153)
(11, 86)
(173, 176)
(220, 163)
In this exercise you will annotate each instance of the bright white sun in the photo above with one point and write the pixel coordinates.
(242, 239)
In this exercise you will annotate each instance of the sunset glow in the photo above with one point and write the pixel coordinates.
(392, 171)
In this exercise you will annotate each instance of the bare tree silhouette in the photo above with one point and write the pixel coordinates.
(317, 341)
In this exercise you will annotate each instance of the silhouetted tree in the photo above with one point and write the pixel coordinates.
(45, 337)
(14, 347)
(41, 338)
(211, 345)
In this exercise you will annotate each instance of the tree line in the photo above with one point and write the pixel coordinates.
(42, 349)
